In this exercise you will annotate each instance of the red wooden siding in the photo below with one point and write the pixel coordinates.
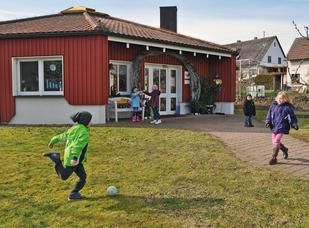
(226, 69)
(85, 68)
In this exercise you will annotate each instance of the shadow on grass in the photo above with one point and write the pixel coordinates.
(293, 163)
(135, 203)
(303, 160)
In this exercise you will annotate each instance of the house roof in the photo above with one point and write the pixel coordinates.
(81, 20)
(299, 49)
(253, 49)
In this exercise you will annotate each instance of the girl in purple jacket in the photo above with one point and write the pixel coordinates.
(280, 118)
(154, 103)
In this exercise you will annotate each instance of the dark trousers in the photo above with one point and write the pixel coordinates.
(248, 120)
(156, 114)
(65, 173)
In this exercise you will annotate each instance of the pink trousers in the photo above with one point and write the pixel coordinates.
(276, 138)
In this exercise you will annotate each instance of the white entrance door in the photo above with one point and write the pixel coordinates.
(168, 79)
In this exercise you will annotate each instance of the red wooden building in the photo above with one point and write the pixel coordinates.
(54, 65)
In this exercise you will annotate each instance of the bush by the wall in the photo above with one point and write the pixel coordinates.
(264, 79)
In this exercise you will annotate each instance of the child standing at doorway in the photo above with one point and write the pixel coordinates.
(75, 153)
(154, 103)
(280, 118)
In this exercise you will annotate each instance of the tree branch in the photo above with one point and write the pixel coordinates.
(306, 28)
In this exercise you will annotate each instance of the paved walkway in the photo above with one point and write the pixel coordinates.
(252, 145)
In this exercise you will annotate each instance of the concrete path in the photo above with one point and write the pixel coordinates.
(252, 145)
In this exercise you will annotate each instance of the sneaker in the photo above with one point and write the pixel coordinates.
(158, 122)
(251, 125)
(54, 156)
(152, 122)
(273, 161)
(75, 196)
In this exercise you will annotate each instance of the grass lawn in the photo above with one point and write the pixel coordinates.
(167, 178)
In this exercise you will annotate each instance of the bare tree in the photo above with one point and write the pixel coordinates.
(305, 35)
(306, 28)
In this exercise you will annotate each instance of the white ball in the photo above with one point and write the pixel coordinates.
(112, 191)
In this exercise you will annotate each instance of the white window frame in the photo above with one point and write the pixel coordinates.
(40, 59)
(129, 67)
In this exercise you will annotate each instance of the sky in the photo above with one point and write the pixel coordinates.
(218, 21)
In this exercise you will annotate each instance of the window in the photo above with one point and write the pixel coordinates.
(269, 59)
(274, 44)
(119, 79)
(38, 76)
(295, 78)
(279, 60)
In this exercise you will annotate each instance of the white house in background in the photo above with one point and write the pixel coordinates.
(298, 62)
(258, 56)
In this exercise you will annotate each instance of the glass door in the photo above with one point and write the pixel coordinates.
(166, 79)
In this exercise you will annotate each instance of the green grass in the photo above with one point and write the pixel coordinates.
(166, 178)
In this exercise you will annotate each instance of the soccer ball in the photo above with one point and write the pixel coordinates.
(112, 191)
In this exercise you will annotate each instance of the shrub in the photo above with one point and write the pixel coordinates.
(264, 79)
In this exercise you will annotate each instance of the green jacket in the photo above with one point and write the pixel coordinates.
(76, 138)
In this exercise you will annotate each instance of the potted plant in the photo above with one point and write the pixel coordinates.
(209, 91)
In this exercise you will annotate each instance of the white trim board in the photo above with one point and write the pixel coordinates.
(165, 46)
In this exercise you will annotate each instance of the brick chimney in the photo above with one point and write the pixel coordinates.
(168, 18)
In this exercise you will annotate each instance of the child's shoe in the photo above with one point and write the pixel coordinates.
(54, 156)
(158, 122)
(273, 161)
(75, 196)
(133, 118)
(153, 121)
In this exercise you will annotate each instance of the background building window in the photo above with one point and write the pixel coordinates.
(38, 76)
(295, 78)
(279, 60)
(269, 59)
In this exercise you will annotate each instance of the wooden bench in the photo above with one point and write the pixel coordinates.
(120, 104)
(117, 105)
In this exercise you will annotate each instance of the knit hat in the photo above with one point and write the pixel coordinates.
(82, 117)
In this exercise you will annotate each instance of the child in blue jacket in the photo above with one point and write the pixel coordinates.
(135, 103)
(280, 118)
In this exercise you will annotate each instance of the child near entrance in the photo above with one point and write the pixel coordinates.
(280, 118)
(154, 103)
(135, 103)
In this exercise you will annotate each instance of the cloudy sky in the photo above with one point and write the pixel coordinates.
(218, 21)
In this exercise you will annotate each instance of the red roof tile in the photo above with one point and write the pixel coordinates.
(299, 49)
(87, 22)
(47, 24)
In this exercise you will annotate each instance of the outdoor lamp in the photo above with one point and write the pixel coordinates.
(217, 80)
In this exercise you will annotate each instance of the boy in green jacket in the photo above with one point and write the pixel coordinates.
(75, 152)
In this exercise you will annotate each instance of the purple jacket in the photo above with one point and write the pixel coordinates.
(281, 117)
(154, 100)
